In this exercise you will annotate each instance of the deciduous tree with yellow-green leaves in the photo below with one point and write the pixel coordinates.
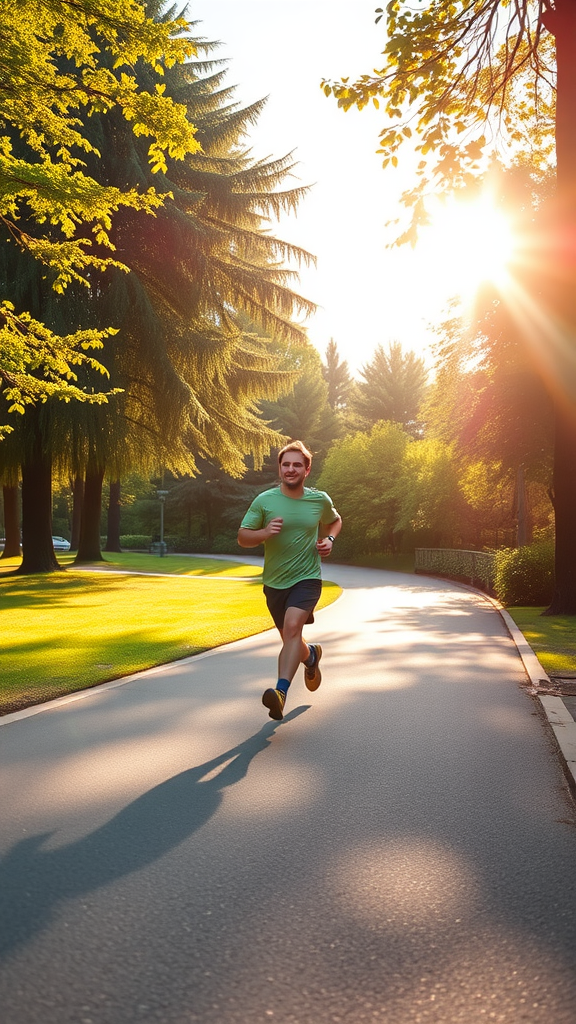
(62, 61)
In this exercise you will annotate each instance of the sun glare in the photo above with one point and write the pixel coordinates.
(467, 245)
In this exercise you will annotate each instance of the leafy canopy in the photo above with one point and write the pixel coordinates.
(361, 474)
(452, 70)
(27, 343)
(78, 59)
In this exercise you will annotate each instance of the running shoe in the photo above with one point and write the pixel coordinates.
(274, 700)
(312, 674)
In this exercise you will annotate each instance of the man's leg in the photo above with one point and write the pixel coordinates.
(291, 609)
(310, 655)
(294, 650)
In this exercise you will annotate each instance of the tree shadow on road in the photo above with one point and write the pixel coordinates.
(33, 880)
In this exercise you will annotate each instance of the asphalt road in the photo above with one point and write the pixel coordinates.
(402, 848)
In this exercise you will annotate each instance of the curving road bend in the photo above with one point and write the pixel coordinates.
(400, 849)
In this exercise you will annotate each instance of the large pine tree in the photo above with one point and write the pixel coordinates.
(337, 376)
(391, 387)
(191, 375)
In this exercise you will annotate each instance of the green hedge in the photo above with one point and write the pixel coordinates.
(222, 543)
(135, 542)
(225, 544)
(525, 576)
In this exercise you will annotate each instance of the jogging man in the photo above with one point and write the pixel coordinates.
(298, 526)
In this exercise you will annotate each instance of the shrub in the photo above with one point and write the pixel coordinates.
(135, 542)
(226, 544)
(525, 576)
(191, 545)
(345, 547)
(60, 527)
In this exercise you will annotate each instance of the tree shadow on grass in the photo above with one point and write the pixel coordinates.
(31, 592)
(34, 881)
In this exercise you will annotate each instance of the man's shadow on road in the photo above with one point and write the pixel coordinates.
(33, 881)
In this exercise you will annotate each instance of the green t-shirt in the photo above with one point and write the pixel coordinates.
(291, 555)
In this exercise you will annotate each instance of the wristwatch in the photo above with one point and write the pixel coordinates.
(330, 537)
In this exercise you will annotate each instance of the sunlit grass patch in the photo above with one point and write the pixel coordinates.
(9, 564)
(132, 561)
(552, 637)
(186, 565)
(67, 631)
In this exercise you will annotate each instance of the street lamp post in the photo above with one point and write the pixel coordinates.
(162, 498)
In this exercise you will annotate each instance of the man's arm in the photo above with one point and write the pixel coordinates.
(252, 538)
(326, 530)
(330, 529)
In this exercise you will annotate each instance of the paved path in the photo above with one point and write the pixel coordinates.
(400, 849)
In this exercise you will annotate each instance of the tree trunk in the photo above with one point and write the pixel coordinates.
(37, 548)
(522, 529)
(11, 523)
(564, 599)
(562, 23)
(113, 533)
(77, 502)
(89, 546)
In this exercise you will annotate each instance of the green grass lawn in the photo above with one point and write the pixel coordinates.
(553, 638)
(67, 631)
(179, 565)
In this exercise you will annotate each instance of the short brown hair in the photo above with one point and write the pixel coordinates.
(296, 446)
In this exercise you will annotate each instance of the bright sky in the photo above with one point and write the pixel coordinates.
(367, 294)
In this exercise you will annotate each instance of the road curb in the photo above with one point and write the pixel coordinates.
(557, 714)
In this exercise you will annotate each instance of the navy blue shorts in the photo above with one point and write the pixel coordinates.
(305, 594)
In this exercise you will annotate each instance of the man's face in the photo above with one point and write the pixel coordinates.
(293, 471)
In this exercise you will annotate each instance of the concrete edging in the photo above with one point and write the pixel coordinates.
(557, 714)
(559, 718)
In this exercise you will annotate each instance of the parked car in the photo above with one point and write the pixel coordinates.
(61, 544)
